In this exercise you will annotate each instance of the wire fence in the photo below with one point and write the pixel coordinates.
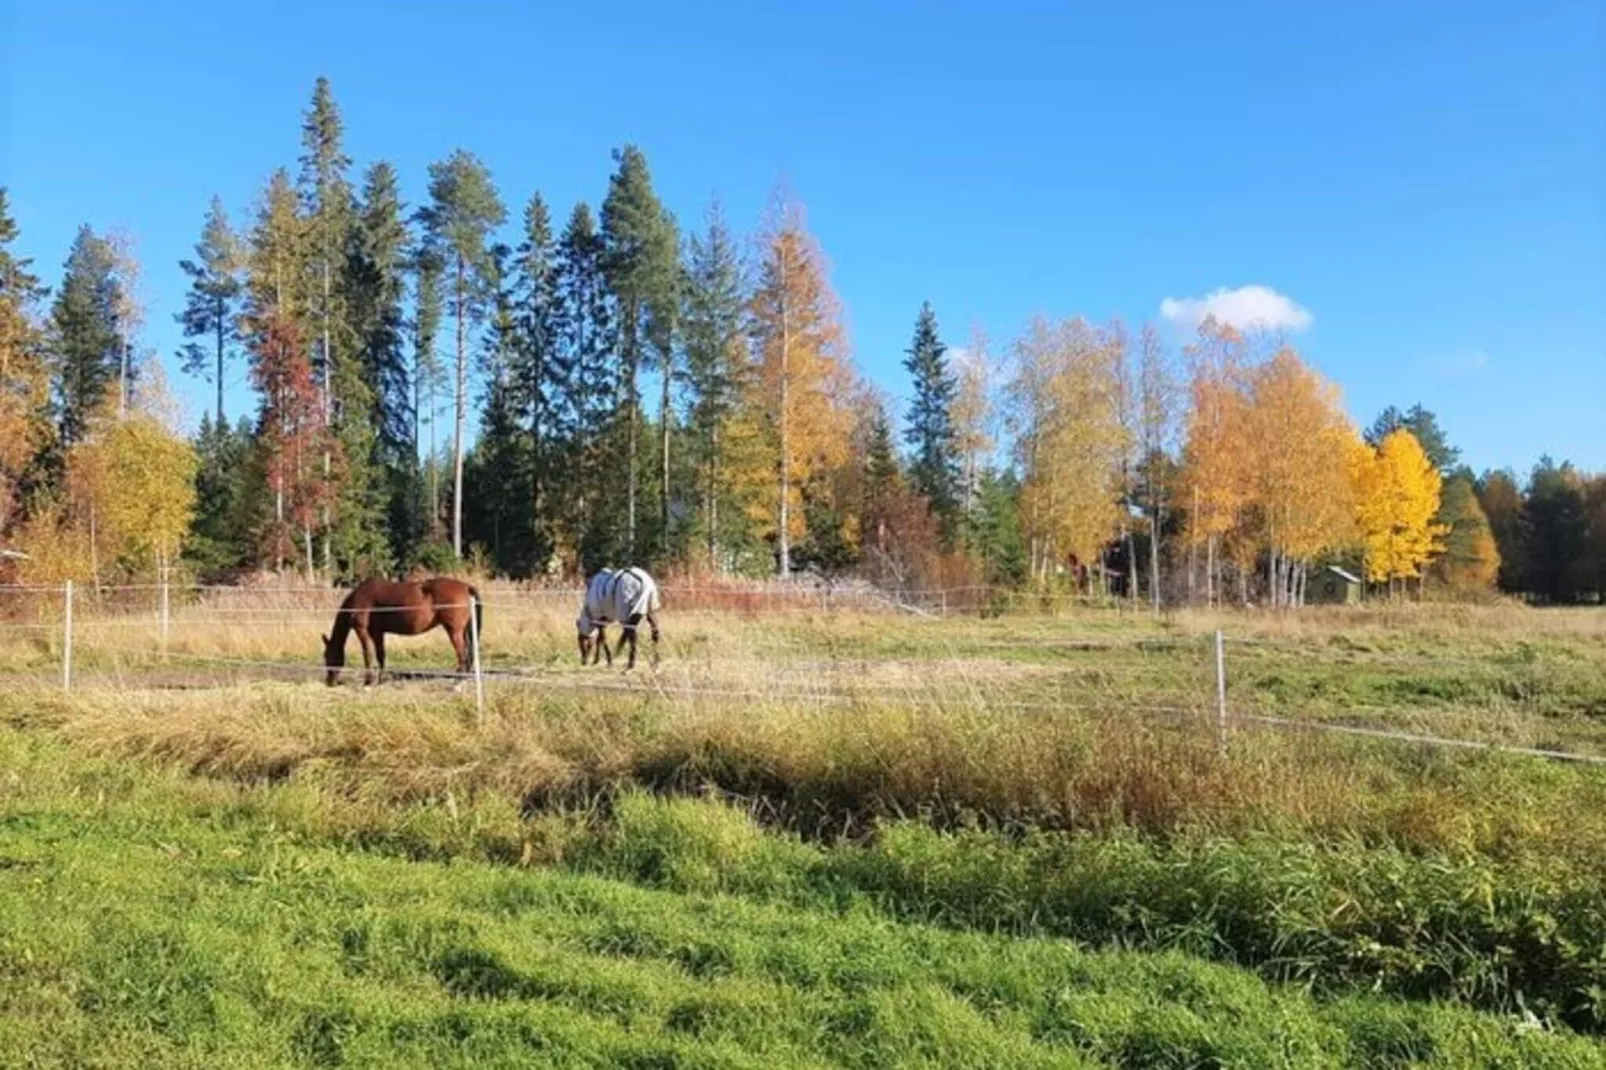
(195, 636)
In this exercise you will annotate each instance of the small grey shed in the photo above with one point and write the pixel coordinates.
(1335, 587)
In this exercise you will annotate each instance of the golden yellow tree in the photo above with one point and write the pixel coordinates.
(1298, 483)
(132, 485)
(1397, 498)
(1070, 442)
(802, 385)
(1216, 461)
(972, 413)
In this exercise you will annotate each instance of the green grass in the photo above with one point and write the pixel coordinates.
(152, 919)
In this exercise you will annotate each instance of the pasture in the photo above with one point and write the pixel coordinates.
(823, 832)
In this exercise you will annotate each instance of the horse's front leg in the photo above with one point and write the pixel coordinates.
(379, 653)
(367, 656)
(604, 650)
(630, 637)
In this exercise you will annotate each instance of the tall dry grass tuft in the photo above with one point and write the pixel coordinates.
(839, 770)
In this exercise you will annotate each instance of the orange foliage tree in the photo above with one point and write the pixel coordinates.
(802, 386)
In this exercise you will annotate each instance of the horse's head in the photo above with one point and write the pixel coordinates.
(334, 656)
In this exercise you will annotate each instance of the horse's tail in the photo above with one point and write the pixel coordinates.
(479, 614)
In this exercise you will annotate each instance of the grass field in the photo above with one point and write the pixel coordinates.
(808, 839)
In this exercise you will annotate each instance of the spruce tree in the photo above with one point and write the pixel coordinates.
(881, 480)
(375, 282)
(534, 385)
(934, 467)
(498, 509)
(639, 236)
(463, 211)
(327, 204)
(584, 373)
(220, 532)
(86, 348)
(211, 308)
(713, 333)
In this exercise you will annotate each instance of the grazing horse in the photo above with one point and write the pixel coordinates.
(626, 596)
(376, 608)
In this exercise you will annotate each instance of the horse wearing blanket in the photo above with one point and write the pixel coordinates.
(627, 596)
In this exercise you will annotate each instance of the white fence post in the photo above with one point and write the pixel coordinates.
(66, 641)
(1221, 693)
(474, 643)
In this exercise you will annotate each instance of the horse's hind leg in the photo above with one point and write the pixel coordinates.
(379, 653)
(460, 647)
(367, 656)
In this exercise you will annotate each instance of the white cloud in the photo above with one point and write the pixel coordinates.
(1244, 308)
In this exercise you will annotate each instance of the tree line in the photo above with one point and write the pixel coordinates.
(616, 387)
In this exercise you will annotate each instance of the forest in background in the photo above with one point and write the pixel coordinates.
(465, 384)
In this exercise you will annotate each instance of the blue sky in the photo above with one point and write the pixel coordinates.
(1424, 180)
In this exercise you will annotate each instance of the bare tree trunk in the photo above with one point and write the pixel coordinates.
(461, 416)
(663, 503)
(328, 414)
(1154, 559)
(713, 500)
(219, 318)
(1210, 571)
(783, 540)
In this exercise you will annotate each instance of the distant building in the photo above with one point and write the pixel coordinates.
(1334, 587)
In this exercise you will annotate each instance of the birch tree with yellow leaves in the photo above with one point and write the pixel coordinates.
(1215, 453)
(1299, 481)
(1397, 498)
(802, 383)
(1069, 440)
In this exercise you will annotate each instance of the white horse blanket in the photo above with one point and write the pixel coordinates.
(617, 596)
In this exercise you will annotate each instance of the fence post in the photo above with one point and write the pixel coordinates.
(66, 641)
(1221, 693)
(474, 643)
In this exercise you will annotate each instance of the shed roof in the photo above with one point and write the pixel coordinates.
(1346, 575)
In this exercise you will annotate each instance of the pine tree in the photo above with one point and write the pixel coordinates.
(87, 348)
(426, 375)
(534, 385)
(715, 358)
(639, 238)
(934, 467)
(211, 308)
(25, 430)
(464, 209)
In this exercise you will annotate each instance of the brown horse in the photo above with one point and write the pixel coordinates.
(377, 608)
